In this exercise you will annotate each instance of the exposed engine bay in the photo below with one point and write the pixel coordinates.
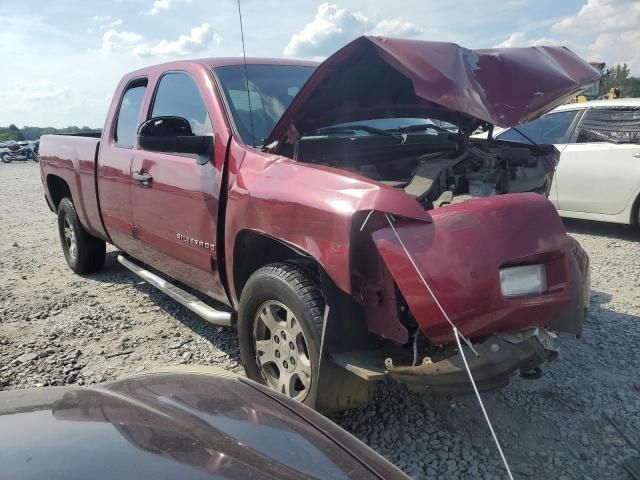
(437, 172)
(476, 171)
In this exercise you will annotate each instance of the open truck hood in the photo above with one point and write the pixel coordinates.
(377, 77)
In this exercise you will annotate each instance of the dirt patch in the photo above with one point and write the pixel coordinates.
(580, 420)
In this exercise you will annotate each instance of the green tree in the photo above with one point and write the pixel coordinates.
(11, 133)
(619, 76)
(34, 133)
(631, 87)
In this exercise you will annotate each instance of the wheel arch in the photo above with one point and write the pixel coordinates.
(58, 189)
(253, 250)
(635, 211)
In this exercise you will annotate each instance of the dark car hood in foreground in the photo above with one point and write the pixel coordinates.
(376, 77)
(177, 426)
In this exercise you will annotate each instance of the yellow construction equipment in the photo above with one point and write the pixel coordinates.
(596, 92)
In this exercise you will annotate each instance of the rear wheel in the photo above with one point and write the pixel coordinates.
(6, 158)
(279, 327)
(84, 253)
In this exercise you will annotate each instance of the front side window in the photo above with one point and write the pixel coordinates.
(127, 119)
(552, 128)
(613, 125)
(178, 96)
(271, 89)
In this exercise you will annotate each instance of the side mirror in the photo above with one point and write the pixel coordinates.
(174, 135)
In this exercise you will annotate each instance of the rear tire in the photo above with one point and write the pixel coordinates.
(279, 328)
(84, 253)
(6, 158)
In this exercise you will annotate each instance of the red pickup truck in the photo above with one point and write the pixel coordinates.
(339, 212)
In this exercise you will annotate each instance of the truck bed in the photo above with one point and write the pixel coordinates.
(72, 158)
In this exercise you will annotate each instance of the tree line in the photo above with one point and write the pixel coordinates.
(620, 77)
(34, 133)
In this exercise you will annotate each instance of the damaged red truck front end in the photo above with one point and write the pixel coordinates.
(464, 270)
(436, 237)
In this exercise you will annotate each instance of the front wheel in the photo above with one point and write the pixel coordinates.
(84, 253)
(6, 158)
(279, 328)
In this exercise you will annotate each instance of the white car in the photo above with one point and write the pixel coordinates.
(598, 176)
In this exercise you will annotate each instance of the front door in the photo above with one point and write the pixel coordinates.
(597, 173)
(594, 177)
(175, 211)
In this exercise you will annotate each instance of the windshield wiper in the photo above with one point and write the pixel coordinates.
(363, 128)
(421, 127)
(538, 148)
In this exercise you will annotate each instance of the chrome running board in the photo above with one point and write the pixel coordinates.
(181, 296)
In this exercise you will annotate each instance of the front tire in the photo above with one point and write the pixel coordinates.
(6, 158)
(84, 253)
(279, 328)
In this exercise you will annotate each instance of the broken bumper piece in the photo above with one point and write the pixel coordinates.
(499, 357)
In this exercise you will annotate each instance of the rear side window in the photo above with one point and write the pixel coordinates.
(614, 125)
(127, 121)
(552, 128)
(178, 96)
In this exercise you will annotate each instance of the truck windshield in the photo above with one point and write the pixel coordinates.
(271, 87)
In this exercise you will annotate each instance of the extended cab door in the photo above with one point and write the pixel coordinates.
(596, 175)
(175, 211)
(114, 163)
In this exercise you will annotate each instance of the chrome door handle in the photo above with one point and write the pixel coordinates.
(143, 177)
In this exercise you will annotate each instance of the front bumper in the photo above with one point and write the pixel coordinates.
(460, 253)
(499, 358)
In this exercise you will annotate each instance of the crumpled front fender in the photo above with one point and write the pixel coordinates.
(460, 254)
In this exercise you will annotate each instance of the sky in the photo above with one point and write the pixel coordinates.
(61, 60)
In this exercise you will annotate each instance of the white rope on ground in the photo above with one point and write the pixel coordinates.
(484, 412)
(458, 336)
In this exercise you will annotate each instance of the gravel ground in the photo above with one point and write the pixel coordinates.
(580, 420)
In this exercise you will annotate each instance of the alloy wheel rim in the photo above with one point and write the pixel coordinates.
(281, 350)
(70, 238)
